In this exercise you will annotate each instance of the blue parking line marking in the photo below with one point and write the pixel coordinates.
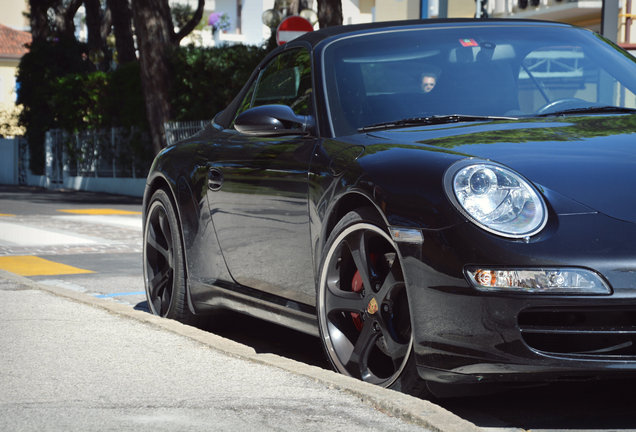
(120, 294)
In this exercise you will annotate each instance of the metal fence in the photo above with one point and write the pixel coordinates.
(115, 152)
(176, 131)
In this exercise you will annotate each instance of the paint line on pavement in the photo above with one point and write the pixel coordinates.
(20, 235)
(120, 294)
(59, 283)
(6, 215)
(28, 265)
(100, 211)
(118, 221)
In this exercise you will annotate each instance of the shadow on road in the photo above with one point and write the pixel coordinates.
(596, 405)
(262, 336)
(38, 195)
(266, 337)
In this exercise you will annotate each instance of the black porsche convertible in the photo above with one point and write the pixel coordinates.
(441, 202)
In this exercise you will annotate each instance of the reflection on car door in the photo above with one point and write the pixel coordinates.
(258, 194)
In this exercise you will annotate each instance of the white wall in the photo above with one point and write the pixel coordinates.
(120, 186)
(254, 30)
(357, 11)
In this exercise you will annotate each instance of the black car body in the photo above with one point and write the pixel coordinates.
(480, 232)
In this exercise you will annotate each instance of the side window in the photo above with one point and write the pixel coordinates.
(248, 99)
(286, 80)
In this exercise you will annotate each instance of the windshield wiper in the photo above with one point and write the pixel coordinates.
(430, 120)
(591, 110)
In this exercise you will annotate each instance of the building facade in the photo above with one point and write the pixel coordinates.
(12, 48)
(617, 26)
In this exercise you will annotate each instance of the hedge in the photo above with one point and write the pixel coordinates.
(60, 89)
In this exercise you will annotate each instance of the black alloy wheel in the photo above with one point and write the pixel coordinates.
(363, 310)
(163, 260)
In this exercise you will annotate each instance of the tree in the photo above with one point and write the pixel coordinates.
(59, 25)
(39, 20)
(54, 52)
(98, 24)
(329, 13)
(55, 55)
(121, 17)
(64, 12)
(39, 69)
(156, 38)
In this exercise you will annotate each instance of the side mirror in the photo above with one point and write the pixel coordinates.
(273, 120)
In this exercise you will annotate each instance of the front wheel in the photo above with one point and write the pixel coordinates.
(363, 310)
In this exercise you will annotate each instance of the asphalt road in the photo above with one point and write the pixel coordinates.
(105, 239)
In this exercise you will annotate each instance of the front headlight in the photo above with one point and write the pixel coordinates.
(496, 198)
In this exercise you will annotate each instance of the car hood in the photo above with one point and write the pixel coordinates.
(589, 159)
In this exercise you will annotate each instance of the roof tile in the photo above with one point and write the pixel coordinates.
(12, 42)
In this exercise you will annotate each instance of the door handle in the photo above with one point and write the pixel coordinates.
(215, 179)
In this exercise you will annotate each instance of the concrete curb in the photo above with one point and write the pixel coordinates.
(399, 405)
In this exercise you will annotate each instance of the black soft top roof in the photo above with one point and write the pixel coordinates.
(224, 118)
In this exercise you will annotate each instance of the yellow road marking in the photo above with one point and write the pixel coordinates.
(27, 265)
(101, 211)
(6, 215)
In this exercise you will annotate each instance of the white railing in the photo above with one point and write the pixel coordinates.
(112, 160)
(176, 131)
(115, 153)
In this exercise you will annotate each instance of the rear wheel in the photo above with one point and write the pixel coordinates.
(363, 309)
(164, 274)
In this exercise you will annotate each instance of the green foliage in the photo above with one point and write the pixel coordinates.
(99, 100)
(125, 99)
(38, 72)
(59, 89)
(181, 14)
(76, 101)
(207, 79)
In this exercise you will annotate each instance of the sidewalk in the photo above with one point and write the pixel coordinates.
(72, 362)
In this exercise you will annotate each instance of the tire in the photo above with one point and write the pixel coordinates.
(164, 274)
(362, 304)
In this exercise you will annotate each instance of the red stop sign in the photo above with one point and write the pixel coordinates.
(292, 27)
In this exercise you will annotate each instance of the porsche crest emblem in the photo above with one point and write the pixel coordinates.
(372, 307)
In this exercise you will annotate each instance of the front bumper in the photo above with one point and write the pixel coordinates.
(462, 335)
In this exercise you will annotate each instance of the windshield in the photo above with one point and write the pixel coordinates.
(473, 70)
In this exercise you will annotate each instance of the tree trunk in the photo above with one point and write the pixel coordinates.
(154, 35)
(190, 25)
(63, 20)
(99, 53)
(155, 39)
(60, 26)
(122, 27)
(329, 13)
(38, 19)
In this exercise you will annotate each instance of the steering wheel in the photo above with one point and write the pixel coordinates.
(562, 104)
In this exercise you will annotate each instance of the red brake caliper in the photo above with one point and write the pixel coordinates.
(356, 286)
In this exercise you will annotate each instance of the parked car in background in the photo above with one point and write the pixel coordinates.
(440, 202)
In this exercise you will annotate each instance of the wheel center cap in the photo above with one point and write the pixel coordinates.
(372, 307)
